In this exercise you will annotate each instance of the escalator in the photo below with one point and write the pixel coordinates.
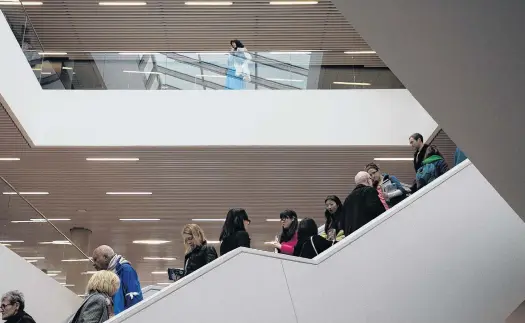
(452, 252)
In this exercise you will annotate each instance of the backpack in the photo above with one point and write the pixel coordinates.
(426, 173)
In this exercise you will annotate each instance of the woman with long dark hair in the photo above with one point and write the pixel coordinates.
(309, 244)
(238, 66)
(286, 241)
(234, 233)
(334, 225)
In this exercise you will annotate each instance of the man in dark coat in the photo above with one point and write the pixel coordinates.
(12, 308)
(420, 149)
(363, 204)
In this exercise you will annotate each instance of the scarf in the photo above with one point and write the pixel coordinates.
(114, 261)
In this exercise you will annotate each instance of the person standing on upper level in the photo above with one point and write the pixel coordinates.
(130, 292)
(286, 241)
(363, 204)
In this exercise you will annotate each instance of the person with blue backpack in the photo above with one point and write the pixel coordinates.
(433, 166)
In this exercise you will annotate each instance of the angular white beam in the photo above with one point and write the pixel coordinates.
(463, 61)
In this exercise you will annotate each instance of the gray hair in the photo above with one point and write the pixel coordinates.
(15, 296)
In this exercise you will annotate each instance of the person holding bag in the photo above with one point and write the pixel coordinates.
(98, 305)
(310, 244)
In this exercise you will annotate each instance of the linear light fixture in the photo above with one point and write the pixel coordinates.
(290, 53)
(273, 220)
(67, 68)
(208, 3)
(360, 52)
(285, 80)
(140, 220)
(52, 53)
(129, 193)
(293, 2)
(9, 159)
(160, 258)
(11, 241)
(353, 83)
(135, 53)
(208, 220)
(163, 283)
(45, 73)
(57, 242)
(76, 260)
(112, 159)
(141, 72)
(395, 159)
(89, 272)
(153, 242)
(39, 220)
(5, 244)
(67, 285)
(25, 3)
(122, 3)
(26, 193)
(54, 272)
(52, 275)
(32, 261)
(159, 272)
(213, 241)
(212, 53)
(34, 258)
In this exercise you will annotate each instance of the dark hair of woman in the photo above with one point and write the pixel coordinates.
(234, 222)
(336, 220)
(432, 150)
(238, 44)
(307, 228)
(288, 233)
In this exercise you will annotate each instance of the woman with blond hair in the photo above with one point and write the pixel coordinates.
(98, 305)
(198, 252)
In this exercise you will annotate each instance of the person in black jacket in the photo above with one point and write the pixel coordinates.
(309, 244)
(198, 252)
(234, 233)
(335, 225)
(363, 204)
(12, 308)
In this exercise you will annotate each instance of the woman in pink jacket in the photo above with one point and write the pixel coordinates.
(285, 243)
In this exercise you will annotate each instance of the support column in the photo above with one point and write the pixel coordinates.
(81, 238)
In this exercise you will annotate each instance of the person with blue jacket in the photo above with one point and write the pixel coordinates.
(433, 166)
(391, 188)
(130, 292)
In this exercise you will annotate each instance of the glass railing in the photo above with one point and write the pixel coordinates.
(204, 71)
(50, 250)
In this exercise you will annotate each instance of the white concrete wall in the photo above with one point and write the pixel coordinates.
(182, 118)
(451, 253)
(46, 300)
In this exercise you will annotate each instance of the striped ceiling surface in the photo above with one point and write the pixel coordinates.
(170, 25)
(186, 183)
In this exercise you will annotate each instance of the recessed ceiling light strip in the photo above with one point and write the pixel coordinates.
(395, 159)
(208, 3)
(112, 159)
(9, 159)
(140, 220)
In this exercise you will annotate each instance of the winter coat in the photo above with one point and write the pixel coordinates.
(311, 247)
(419, 156)
(20, 317)
(199, 257)
(96, 308)
(130, 292)
(459, 156)
(361, 206)
(431, 168)
(236, 240)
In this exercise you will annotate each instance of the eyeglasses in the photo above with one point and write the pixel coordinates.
(3, 306)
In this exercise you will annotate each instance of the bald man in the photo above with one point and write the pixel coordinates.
(363, 203)
(129, 293)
